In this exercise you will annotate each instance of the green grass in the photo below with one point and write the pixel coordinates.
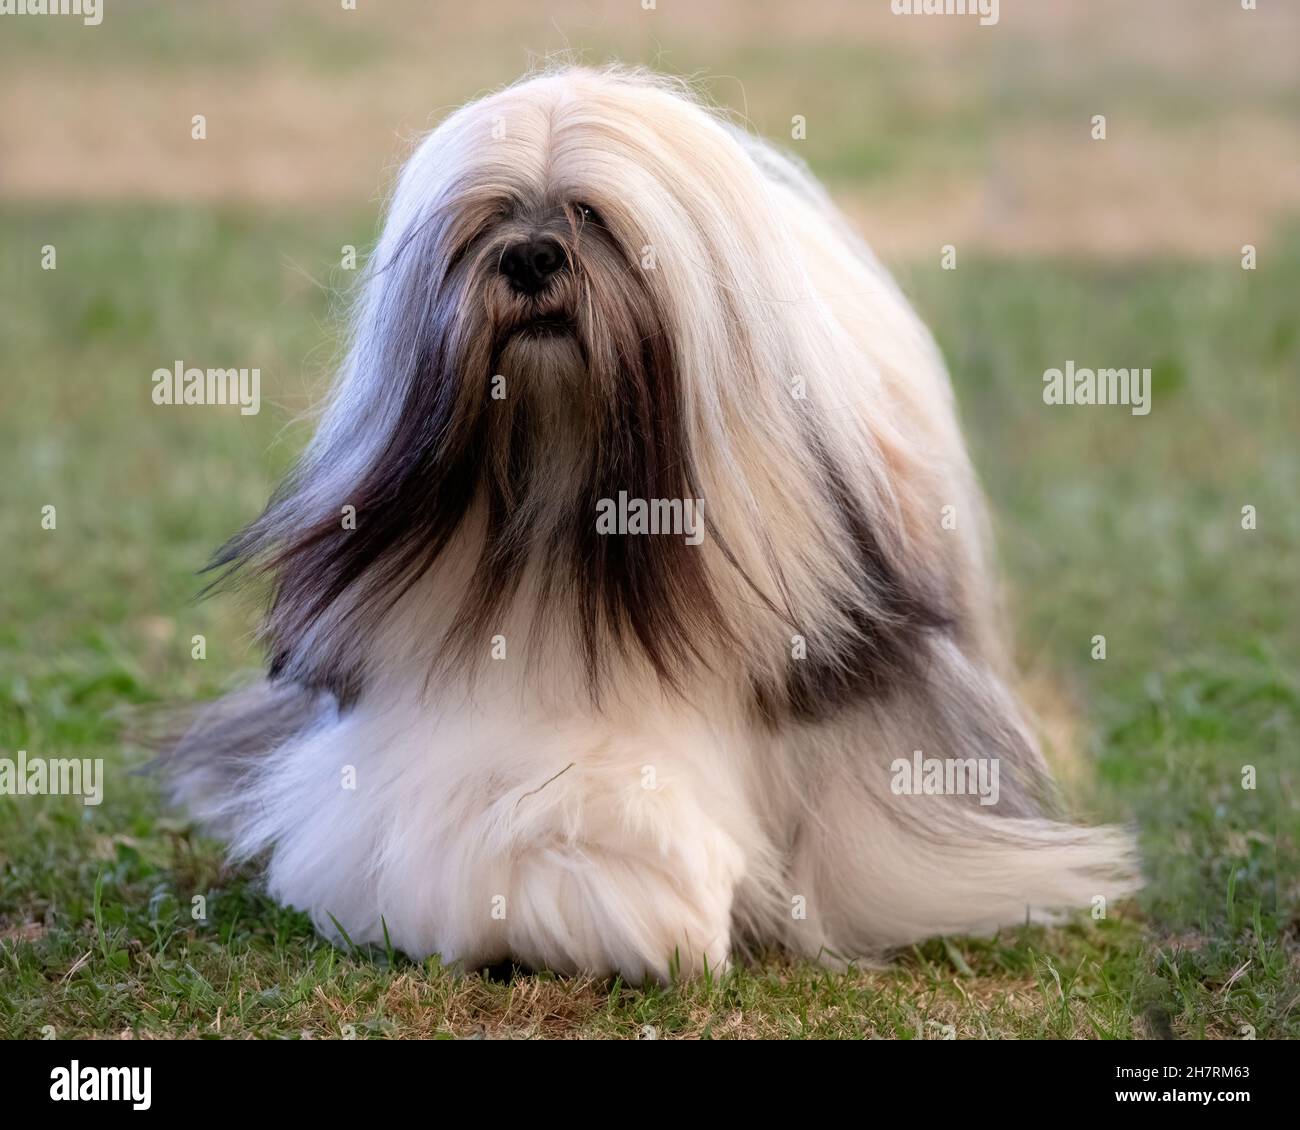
(1108, 523)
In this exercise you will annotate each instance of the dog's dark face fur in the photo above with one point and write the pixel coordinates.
(531, 408)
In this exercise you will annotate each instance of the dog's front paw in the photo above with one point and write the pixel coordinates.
(615, 878)
(586, 908)
(596, 874)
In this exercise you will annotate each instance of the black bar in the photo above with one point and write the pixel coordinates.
(927, 1078)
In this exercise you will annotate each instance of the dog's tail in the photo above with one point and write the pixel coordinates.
(900, 885)
(948, 826)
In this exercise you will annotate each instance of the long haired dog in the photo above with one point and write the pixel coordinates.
(634, 558)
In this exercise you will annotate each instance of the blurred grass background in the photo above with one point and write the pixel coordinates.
(930, 131)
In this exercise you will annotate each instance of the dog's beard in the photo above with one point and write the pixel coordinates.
(538, 430)
(540, 351)
(553, 414)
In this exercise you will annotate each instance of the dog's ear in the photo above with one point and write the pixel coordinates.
(387, 481)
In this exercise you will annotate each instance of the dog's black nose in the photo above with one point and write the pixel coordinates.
(530, 262)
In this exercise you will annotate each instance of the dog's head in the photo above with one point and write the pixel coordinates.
(588, 287)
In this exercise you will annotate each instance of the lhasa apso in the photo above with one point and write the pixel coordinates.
(630, 607)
